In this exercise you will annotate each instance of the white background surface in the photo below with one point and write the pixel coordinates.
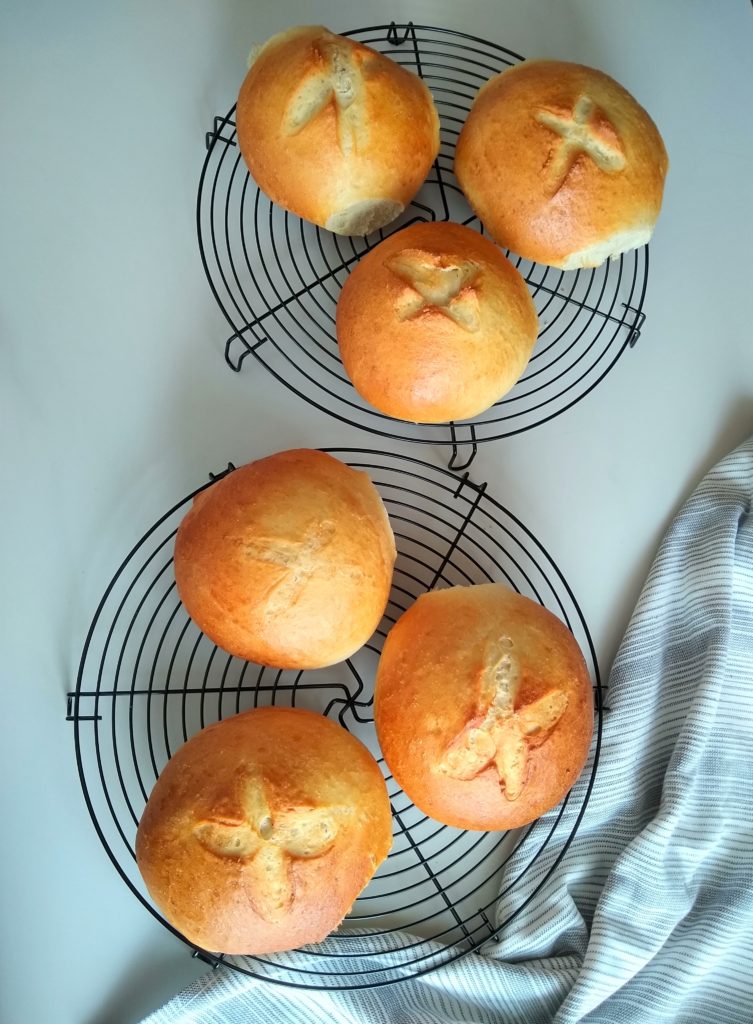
(115, 400)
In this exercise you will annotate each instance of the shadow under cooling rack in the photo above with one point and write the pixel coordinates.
(149, 679)
(277, 278)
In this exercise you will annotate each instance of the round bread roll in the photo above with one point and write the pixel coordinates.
(262, 830)
(334, 131)
(483, 707)
(434, 324)
(561, 164)
(287, 561)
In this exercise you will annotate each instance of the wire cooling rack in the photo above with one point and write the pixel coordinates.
(277, 278)
(149, 679)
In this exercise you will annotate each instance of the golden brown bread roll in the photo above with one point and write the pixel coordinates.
(435, 324)
(483, 707)
(262, 830)
(561, 164)
(287, 561)
(334, 131)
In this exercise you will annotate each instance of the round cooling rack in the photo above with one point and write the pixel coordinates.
(277, 278)
(149, 679)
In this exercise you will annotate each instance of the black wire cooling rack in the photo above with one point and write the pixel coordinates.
(277, 278)
(149, 679)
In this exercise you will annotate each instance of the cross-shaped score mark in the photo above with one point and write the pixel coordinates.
(505, 734)
(298, 559)
(265, 842)
(578, 136)
(338, 81)
(438, 283)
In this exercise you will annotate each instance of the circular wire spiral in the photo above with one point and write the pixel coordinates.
(149, 679)
(277, 278)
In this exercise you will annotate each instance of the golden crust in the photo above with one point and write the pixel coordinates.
(559, 161)
(287, 561)
(325, 124)
(262, 830)
(435, 324)
(483, 707)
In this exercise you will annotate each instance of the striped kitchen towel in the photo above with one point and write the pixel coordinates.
(649, 915)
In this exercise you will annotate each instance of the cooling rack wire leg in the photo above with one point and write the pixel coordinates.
(455, 440)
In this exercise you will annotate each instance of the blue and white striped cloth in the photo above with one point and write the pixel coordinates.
(649, 915)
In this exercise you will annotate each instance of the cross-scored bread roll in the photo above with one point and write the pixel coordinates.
(334, 131)
(483, 707)
(262, 830)
(287, 561)
(435, 324)
(561, 164)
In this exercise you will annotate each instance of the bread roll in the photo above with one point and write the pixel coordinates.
(483, 707)
(434, 324)
(334, 131)
(287, 561)
(262, 830)
(561, 164)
